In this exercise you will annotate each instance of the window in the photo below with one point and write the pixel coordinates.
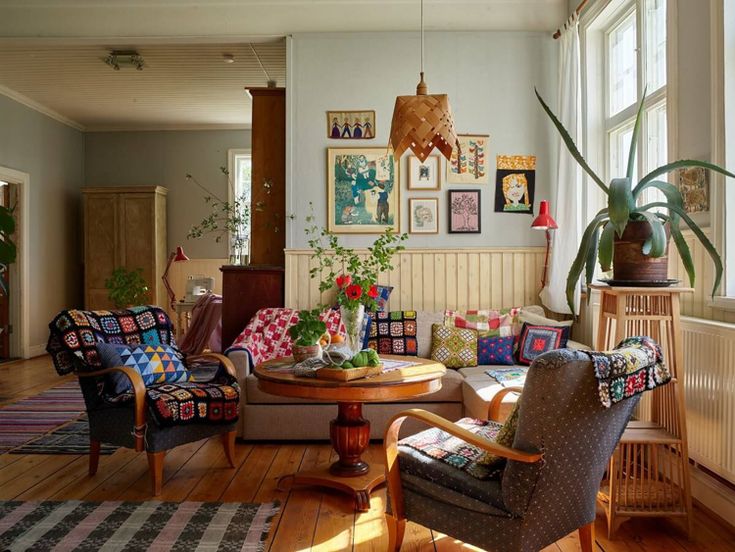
(240, 172)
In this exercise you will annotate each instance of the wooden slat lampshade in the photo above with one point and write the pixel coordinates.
(423, 122)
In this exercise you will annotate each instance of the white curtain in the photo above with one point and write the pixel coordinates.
(567, 196)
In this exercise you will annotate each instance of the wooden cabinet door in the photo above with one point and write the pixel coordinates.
(137, 237)
(100, 247)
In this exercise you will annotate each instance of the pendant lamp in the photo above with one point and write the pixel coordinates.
(424, 121)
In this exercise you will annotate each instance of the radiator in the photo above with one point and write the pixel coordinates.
(709, 377)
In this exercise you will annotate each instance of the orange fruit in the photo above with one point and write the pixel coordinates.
(336, 338)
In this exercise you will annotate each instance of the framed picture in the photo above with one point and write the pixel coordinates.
(464, 211)
(363, 191)
(469, 165)
(426, 175)
(351, 125)
(423, 213)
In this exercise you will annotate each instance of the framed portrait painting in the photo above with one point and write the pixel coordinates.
(469, 164)
(424, 175)
(423, 213)
(464, 211)
(363, 191)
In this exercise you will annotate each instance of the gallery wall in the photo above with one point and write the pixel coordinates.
(53, 155)
(489, 77)
(164, 158)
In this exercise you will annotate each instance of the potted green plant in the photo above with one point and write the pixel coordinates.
(127, 287)
(630, 237)
(307, 334)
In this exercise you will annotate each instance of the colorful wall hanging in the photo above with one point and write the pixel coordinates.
(464, 211)
(515, 183)
(469, 164)
(351, 125)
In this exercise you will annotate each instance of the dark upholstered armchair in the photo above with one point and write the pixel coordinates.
(159, 417)
(548, 487)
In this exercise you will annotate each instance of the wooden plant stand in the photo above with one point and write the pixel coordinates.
(649, 470)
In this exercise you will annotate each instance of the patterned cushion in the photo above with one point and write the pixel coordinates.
(190, 402)
(504, 437)
(394, 333)
(495, 350)
(536, 340)
(488, 323)
(455, 452)
(155, 363)
(454, 347)
(381, 301)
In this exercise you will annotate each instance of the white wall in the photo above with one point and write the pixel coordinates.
(489, 77)
(53, 155)
(164, 158)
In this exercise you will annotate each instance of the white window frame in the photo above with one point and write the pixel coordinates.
(232, 156)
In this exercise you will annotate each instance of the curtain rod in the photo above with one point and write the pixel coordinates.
(581, 6)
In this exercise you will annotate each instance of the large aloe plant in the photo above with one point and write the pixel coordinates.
(622, 207)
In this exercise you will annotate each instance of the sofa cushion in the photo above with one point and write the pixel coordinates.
(155, 364)
(394, 333)
(534, 314)
(536, 340)
(495, 350)
(478, 389)
(490, 323)
(451, 391)
(454, 347)
(424, 322)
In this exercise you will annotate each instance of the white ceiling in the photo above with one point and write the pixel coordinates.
(51, 50)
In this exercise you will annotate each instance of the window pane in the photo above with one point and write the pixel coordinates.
(243, 185)
(655, 44)
(619, 149)
(656, 148)
(623, 68)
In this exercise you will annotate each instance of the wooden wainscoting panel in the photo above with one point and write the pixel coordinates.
(437, 279)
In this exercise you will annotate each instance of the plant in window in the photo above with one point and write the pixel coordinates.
(127, 288)
(227, 219)
(634, 238)
(8, 250)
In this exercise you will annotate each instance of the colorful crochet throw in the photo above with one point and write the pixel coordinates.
(75, 333)
(636, 365)
(190, 403)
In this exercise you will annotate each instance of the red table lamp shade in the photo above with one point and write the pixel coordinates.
(181, 256)
(544, 220)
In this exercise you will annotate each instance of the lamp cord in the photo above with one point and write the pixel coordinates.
(422, 36)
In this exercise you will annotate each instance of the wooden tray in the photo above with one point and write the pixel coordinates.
(338, 374)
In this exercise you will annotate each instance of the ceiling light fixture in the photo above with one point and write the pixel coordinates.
(125, 58)
(228, 58)
(424, 121)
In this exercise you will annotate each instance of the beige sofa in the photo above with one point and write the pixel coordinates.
(464, 392)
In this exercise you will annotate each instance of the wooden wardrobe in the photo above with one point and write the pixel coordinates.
(124, 227)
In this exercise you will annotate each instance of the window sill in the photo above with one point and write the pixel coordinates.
(722, 302)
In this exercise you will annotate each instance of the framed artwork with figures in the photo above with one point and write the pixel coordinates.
(464, 212)
(424, 175)
(363, 191)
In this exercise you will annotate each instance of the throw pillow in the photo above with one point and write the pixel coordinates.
(381, 301)
(488, 323)
(155, 364)
(505, 437)
(536, 340)
(454, 347)
(531, 316)
(495, 350)
(393, 333)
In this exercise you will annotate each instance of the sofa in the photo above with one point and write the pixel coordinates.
(464, 392)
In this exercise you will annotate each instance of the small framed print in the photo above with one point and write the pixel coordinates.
(423, 215)
(426, 175)
(464, 211)
(351, 125)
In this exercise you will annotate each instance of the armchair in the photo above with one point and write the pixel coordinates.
(549, 484)
(153, 419)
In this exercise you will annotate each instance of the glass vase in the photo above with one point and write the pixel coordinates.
(239, 254)
(352, 320)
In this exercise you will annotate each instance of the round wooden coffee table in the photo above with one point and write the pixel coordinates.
(349, 432)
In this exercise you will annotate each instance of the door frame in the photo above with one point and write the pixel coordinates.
(20, 270)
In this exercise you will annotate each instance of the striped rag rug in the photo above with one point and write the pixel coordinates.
(134, 526)
(32, 417)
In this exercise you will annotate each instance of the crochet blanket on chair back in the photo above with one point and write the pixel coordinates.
(266, 336)
(75, 333)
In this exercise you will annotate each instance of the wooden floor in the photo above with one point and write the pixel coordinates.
(310, 519)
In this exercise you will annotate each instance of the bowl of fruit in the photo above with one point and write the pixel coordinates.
(363, 364)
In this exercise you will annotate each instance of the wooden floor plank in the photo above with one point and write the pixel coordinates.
(212, 486)
(370, 527)
(246, 482)
(108, 467)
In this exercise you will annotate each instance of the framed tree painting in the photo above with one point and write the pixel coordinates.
(351, 125)
(464, 211)
(423, 215)
(363, 191)
(469, 164)
(424, 175)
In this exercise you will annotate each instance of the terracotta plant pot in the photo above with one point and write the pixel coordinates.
(629, 262)
(301, 353)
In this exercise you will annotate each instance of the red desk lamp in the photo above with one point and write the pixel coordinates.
(175, 257)
(544, 221)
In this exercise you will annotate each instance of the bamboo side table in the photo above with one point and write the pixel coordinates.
(648, 474)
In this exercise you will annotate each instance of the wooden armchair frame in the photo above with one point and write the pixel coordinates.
(396, 520)
(155, 459)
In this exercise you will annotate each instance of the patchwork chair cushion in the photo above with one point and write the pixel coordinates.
(191, 403)
(74, 334)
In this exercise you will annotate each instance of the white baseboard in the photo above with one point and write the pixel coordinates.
(36, 350)
(712, 494)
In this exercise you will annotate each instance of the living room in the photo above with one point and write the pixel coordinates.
(173, 154)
